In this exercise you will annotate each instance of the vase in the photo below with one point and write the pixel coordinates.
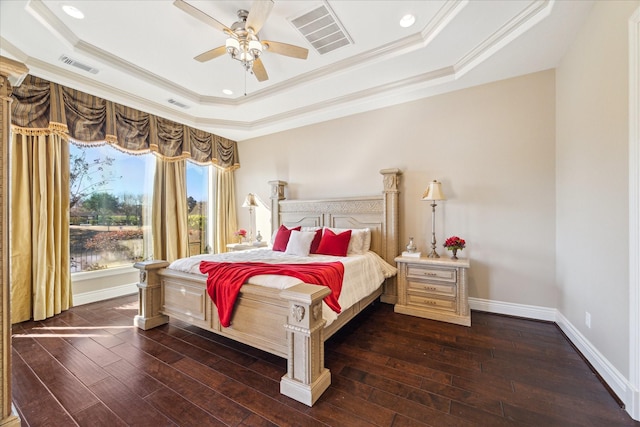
(455, 253)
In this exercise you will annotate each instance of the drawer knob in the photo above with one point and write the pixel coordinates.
(430, 288)
(430, 274)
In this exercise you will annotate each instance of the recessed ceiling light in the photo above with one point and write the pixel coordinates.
(227, 91)
(73, 11)
(407, 21)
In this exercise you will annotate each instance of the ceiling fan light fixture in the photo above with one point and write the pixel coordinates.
(255, 49)
(233, 47)
(243, 43)
(244, 49)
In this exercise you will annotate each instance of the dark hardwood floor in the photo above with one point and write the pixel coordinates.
(90, 367)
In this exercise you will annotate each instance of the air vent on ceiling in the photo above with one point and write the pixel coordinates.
(177, 103)
(322, 29)
(73, 62)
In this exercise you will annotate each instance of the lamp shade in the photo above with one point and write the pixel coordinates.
(250, 201)
(434, 191)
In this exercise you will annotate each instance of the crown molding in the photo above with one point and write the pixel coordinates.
(14, 71)
(525, 20)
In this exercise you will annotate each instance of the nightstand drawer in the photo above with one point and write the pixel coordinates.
(419, 271)
(435, 303)
(432, 288)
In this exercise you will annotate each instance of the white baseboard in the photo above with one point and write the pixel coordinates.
(519, 310)
(103, 294)
(620, 385)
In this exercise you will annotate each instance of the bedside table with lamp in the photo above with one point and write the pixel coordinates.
(433, 287)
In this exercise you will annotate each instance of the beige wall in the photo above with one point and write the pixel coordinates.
(592, 181)
(492, 147)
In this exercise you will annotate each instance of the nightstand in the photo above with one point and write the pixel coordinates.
(232, 247)
(434, 288)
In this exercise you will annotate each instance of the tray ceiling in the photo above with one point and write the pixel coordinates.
(140, 53)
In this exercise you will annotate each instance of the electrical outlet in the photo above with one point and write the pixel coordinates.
(587, 319)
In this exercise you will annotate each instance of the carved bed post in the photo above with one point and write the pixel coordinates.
(306, 378)
(277, 194)
(149, 295)
(390, 181)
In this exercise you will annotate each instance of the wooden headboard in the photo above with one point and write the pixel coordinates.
(378, 213)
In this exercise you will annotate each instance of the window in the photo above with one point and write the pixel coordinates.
(199, 185)
(110, 200)
(110, 207)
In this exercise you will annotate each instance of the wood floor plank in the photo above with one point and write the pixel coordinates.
(46, 412)
(475, 399)
(26, 385)
(195, 390)
(90, 367)
(138, 382)
(182, 411)
(183, 347)
(132, 409)
(254, 420)
(416, 411)
(98, 415)
(593, 407)
(266, 407)
(364, 409)
(63, 384)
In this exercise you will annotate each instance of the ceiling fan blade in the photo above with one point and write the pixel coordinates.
(259, 71)
(200, 15)
(260, 10)
(211, 54)
(286, 49)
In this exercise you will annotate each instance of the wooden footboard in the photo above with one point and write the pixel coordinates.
(287, 323)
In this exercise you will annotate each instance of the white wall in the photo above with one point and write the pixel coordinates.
(492, 147)
(592, 181)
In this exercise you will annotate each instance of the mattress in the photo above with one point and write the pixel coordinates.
(363, 274)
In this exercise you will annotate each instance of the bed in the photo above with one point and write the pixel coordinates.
(285, 322)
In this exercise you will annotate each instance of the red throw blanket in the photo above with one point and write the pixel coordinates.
(226, 278)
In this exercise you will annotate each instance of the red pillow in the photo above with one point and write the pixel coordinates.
(315, 243)
(334, 244)
(282, 238)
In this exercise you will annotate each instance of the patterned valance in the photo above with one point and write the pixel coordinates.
(41, 106)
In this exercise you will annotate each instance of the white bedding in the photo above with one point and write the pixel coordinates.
(363, 274)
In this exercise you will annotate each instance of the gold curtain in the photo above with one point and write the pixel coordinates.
(226, 221)
(169, 211)
(40, 264)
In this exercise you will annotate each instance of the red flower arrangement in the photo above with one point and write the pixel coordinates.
(454, 242)
(242, 232)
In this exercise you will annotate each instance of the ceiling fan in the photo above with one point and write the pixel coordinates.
(243, 43)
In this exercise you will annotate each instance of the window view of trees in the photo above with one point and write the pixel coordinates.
(110, 206)
(109, 196)
(197, 206)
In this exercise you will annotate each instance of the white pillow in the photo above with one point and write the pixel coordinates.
(300, 242)
(360, 239)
